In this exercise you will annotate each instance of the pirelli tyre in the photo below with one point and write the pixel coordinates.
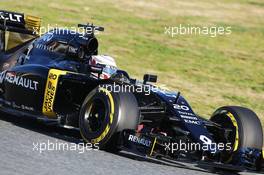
(104, 114)
(245, 126)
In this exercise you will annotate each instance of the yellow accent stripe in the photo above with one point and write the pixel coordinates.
(33, 23)
(154, 143)
(231, 116)
(111, 116)
(263, 153)
(50, 92)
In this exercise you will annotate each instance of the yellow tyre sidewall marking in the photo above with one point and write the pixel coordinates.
(50, 92)
(235, 146)
(233, 119)
(111, 116)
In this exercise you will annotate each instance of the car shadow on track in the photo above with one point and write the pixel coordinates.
(73, 136)
(68, 135)
(177, 164)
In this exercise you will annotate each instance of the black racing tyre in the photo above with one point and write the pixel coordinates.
(104, 114)
(245, 125)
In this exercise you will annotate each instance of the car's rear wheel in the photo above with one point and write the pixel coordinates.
(245, 126)
(104, 114)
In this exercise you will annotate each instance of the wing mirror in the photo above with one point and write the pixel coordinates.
(150, 78)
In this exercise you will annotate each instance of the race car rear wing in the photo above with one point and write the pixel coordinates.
(18, 22)
(17, 28)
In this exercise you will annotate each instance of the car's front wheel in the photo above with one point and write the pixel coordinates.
(104, 114)
(245, 126)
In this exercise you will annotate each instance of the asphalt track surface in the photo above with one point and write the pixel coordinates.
(18, 156)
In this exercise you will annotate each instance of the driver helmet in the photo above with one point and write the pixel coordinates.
(107, 62)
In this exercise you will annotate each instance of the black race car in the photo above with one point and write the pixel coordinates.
(60, 78)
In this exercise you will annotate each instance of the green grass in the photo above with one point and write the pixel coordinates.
(210, 72)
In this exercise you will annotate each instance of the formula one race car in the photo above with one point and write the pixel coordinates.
(60, 78)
